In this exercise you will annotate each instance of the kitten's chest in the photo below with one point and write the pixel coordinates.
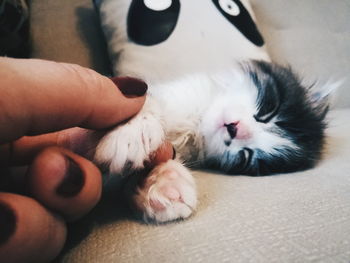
(180, 105)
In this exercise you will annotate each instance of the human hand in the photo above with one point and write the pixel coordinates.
(40, 102)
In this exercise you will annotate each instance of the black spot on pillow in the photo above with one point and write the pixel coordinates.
(152, 22)
(238, 16)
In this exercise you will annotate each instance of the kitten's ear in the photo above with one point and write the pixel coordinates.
(322, 97)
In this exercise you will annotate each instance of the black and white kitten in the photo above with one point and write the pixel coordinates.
(212, 92)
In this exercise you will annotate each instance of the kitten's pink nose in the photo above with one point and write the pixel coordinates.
(238, 130)
(232, 129)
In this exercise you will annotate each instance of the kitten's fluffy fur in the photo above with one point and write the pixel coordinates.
(247, 117)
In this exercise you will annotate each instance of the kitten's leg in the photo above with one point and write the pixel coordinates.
(166, 194)
(130, 145)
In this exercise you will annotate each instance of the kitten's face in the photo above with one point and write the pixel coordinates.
(263, 122)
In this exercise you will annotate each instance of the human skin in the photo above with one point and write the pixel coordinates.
(47, 110)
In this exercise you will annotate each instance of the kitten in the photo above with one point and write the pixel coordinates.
(221, 107)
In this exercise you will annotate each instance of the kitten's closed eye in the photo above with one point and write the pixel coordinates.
(241, 163)
(245, 157)
(268, 100)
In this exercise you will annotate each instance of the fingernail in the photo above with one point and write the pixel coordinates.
(130, 87)
(73, 180)
(174, 153)
(7, 223)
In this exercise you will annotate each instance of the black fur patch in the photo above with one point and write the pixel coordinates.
(149, 27)
(243, 22)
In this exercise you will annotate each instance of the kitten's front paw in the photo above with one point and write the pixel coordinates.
(168, 193)
(129, 145)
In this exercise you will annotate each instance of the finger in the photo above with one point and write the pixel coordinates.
(23, 150)
(40, 96)
(78, 140)
(65, 182)
(164, 153)
(28, 231)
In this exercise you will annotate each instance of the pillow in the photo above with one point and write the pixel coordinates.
(171, 38)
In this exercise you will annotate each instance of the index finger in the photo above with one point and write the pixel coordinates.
(40, 96)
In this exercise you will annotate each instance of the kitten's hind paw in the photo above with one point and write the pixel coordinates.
(168, 193)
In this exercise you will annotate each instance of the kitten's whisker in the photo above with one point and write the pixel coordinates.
(195, 163)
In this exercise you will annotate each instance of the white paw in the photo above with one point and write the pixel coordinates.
(129, 145)
(168, 193)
